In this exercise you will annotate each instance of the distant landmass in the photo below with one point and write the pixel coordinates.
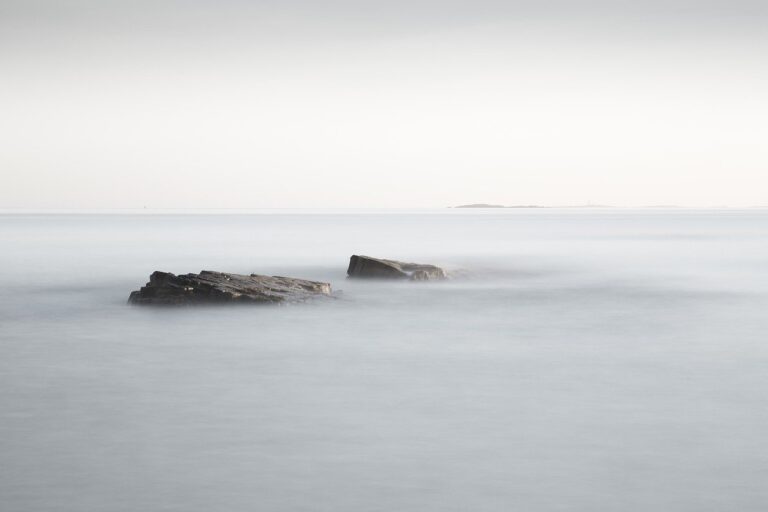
(590, 205)
(480, 205)
(483, 205)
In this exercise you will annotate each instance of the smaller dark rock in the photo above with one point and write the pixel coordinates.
(367, 267)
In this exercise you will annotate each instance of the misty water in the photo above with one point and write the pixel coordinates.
(583, 360)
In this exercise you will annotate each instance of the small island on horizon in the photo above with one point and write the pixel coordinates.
(478, 205)
(485, 205)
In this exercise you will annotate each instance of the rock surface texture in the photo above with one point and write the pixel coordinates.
(367, 267)
(210, 287)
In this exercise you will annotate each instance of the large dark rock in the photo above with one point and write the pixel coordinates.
(367, 267)
(210, 287)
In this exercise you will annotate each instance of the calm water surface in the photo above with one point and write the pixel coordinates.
(586, 360)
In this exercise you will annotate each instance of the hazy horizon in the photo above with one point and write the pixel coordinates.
(467, 207)
(346, 104)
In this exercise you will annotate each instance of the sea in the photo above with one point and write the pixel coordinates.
(584, 359)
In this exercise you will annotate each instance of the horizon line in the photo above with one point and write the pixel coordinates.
(156, 210)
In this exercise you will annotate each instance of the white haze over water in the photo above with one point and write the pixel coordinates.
(590, 360)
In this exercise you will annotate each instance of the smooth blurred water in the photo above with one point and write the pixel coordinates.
(587, 360)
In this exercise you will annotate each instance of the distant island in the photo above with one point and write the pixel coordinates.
(479, 205)
(483, 205)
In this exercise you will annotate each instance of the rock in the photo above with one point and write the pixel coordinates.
(210, 287)
(367, 267)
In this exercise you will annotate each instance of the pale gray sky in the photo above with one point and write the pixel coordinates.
(206, 104)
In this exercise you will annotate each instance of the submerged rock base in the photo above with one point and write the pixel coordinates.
(367, 267)
(209, 287)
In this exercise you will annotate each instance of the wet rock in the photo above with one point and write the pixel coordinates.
(210, 287)
(367, 267)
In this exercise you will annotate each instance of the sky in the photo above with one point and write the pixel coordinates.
(397, 104)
